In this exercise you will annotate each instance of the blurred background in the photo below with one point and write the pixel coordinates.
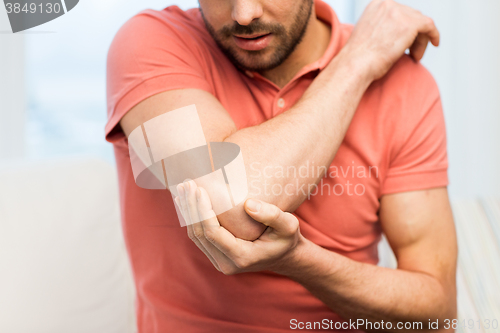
(53, 111)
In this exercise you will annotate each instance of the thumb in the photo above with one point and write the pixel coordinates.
(270, 215)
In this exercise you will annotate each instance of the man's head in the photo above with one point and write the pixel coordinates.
(257, 35)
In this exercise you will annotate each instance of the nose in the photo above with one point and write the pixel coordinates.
(245, 11)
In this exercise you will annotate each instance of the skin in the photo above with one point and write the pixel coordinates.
(418, 225)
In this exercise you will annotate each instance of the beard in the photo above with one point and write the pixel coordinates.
(286, 40)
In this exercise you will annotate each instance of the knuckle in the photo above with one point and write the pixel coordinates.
(387, 3)
(228, 270)
(274, 213)
(394, 12)
(198, 233)
(295, 226)
(239, 263)
(418, 12)
(242, 263)
(191, 235)
(209, 235)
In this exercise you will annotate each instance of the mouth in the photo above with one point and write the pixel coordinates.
(255, 42)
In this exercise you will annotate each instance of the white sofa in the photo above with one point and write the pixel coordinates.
(63, 262)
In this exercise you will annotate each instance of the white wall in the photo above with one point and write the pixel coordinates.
(345, 9)
(12, 92)
(467, 69)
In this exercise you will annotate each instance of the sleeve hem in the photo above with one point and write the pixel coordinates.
(415, 181)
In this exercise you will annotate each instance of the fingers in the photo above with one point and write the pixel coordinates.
(417, 50)
(206, 234)
(183, 205)
(197, 215)
(385, 31)
(423, 24)
(190, 199)
(204, 207)
(284, 224)
(202, 247)
(426, 32)
(429, 28)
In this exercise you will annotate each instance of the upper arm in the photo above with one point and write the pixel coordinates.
(415, 212)
(420, 229)
(216, 122)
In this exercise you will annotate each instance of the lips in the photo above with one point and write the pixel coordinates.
(255, 42)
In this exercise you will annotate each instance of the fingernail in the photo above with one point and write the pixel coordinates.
(253, 205)
(198, 194)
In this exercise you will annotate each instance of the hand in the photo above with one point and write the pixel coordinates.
(273, 250)
(385, 31)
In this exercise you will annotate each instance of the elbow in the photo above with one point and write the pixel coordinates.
(447, 313)
(450, 316)
(240, 224)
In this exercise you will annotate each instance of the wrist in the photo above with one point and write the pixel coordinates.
(295, 260)
(355, 65)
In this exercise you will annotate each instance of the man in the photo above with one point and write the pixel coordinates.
(294, 89)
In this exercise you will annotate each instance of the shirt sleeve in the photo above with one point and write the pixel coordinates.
(153, 52)
(420, 160)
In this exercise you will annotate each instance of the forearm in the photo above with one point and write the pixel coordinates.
(357, 290)
(307, 135)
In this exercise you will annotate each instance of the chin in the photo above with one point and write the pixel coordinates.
(256, 62)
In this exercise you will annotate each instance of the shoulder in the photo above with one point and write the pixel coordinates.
(406, 107)
(410, 89)
(411, 76)
(151, 32)
(417, 91)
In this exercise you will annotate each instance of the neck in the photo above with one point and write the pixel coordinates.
(311, 49)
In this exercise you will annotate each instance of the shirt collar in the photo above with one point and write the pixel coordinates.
(326, 14)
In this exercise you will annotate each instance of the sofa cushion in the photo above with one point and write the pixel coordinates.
(62, 254)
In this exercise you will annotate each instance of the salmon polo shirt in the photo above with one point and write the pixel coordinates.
(395, 143)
